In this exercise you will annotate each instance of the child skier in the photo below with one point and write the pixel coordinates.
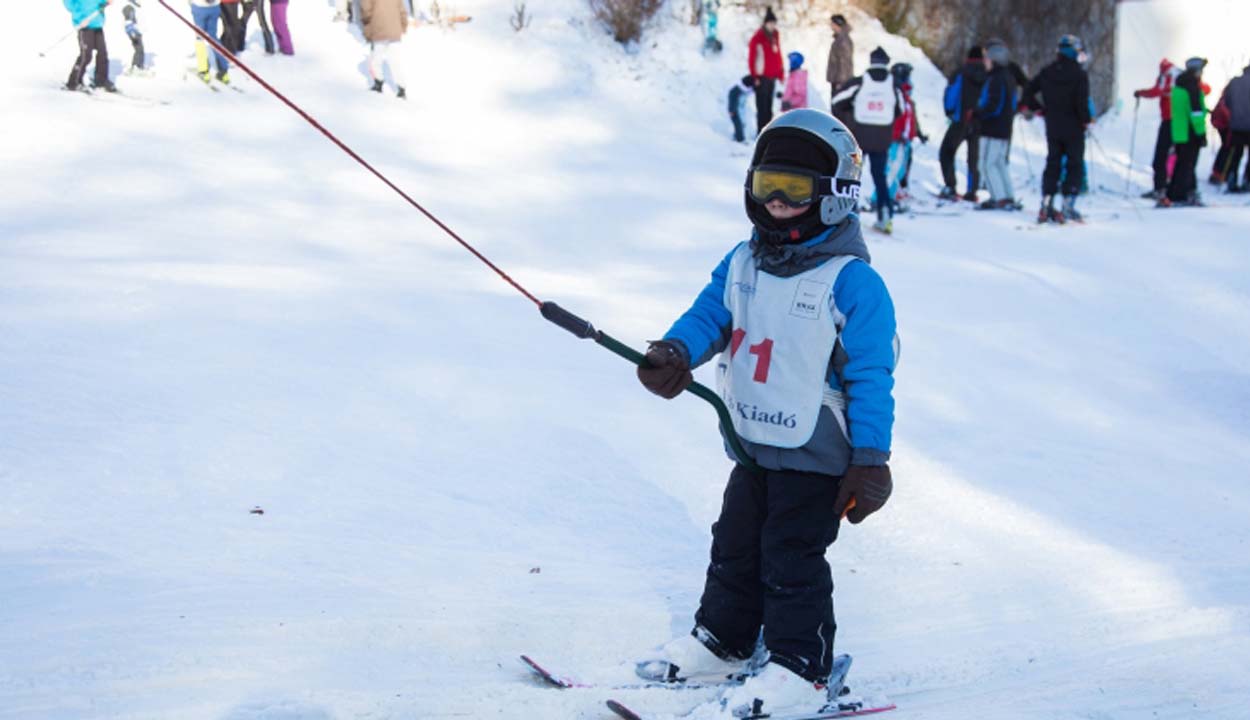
(206, 14)
(795, 95)
(906, 129)
(806, 334)
(88, 18)
(738, 105)
(138, 64)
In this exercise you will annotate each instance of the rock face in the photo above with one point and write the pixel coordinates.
(945, 29)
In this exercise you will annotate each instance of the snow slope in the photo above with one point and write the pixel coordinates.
(206, 308)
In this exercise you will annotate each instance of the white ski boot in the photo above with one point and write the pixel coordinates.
(775, 691)
(691, 658)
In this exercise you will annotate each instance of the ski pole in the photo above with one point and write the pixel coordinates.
(549, 310)
(86, 21)
(1132, 145)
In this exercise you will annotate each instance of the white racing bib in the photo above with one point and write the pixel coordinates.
(773, 375)
(874, 103)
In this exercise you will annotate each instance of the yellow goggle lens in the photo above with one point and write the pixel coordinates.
(795, 188)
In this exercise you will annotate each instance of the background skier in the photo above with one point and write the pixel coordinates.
(385, 22)
(738, 106)
(764, 59)
(768, 569)
(277, 8)
(995, 114)
(872, 103)
(1061, 91)
(138, 61)
(841, 66)
(906, 129)
(959, 101)
(1162, 89)
(88, 17)
(1189, 134)
(795, 94)
(1237, 99)
(206, 14)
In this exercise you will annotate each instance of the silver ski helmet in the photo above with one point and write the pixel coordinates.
(813, 142)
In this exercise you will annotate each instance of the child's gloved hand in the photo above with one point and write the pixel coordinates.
(869, 485)
(667, 372)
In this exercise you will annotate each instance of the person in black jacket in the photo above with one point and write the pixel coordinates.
(1064, 88)
(962, 92)
(995, 111)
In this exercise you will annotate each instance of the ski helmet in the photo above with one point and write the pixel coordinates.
(996, 51)
(902, 73)
(1071, 46)
(815, 143)
(1195, 64)
(796, 60)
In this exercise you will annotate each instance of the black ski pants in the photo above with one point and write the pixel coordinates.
(768, 568)
(1059, 147)
(136, 42)
(765, 89)
(1162, 145)
(231, 27)
(90, 41)
(957, 134)
(258, 7)
(1185, 175)
(1238, 141)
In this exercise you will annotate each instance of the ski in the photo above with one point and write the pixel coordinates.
(116, 96)
(564, 682)
(829, 712)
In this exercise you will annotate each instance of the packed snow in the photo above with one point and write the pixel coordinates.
(207, 310)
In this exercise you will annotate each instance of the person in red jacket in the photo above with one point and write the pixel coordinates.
(1162, 89)
(766, 66)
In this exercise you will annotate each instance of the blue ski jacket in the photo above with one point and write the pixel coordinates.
(862, 366)
(80, 10)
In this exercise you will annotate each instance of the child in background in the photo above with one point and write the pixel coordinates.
(738, 105)
(795, 95)
(138, 63)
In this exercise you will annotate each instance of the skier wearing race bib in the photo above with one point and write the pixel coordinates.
(802, 332)
(872, 103)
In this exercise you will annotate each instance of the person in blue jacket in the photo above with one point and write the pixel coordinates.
(738, 105)
(88, 18)
(802, 331)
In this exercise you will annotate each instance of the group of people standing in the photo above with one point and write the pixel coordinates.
(88, 18)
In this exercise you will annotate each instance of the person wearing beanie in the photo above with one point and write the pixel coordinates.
(870, 104)
(738, 105)
(1061, 90)
(841, 65)
(959, 101)
(1162, 89)
(795, 94)
(995, 113)
(801, 329)
(1189, 134)
(765, 63)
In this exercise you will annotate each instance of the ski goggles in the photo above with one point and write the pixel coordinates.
(796, 187)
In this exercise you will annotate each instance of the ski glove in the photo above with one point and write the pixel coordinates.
(666, 371)
(869, 485)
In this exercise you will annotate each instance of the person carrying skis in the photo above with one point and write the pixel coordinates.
(959, 101)
(841, 65)
(1063, 86)
(795, 94)
(1162, 89)
(764, 61)
(805, 332)
(1237, 100)
(873, 103)
(88, 18)
(384, 23)
(995, 114)
(738, 106)
(1189, 134)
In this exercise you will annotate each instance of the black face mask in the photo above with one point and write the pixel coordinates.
(784, 232)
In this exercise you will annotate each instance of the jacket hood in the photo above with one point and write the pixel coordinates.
(846, 238)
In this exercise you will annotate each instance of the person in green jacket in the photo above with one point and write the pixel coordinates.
(1189, 134)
